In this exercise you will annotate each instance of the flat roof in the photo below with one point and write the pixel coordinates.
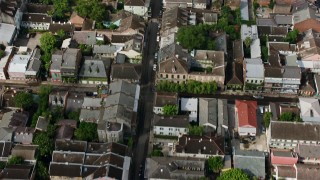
(19, 63)
(5, 59)
(6, 31)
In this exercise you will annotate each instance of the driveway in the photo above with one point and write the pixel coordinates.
(29, 42)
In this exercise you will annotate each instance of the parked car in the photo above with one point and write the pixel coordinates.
(154, 67)
(259, 96)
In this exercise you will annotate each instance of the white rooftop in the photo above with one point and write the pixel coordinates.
(255, 50)
(6, 32)
(244, 10)
(189, 104)
(5, 59)
(249, 31)
(310, 107)
(254, 68)
(19, 63)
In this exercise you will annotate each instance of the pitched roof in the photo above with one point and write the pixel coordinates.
(308, 24)
(174, 65)
(180, 121)
(55, 27)
(164, 98)
(171, 51)
(308, 150)
(174, 17)
(283, 130)
(42, 123)
(282, 9)
(252, 162)
(306, 171)
(247, 113)
(254, 68)
(208, 112)
(28, 152)
(206, 145)
(17, 172)
(238, 53)
(36, 18)
(310, 107)
(38, 8)
(93, 68)
(125, 87)
(126, 71)
(85, 37)
(70, 58)
(237, 74)
(286, 171)
(5, 148)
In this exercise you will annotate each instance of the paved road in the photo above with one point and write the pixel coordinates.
(145, 111)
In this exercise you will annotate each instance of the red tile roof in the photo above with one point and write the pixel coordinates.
(308, 24)
(247, 113)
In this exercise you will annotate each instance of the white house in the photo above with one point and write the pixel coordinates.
(190, 105)
(138, 7)
(36, 21)
(253, 71)
(4, 61)
(249, 31)
(18, 66)
(170, 126)
(310, 109)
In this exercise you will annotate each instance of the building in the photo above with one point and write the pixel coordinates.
(81, 159)
(174, 168)
(253, 74)
(58, 98)
(279, 134)
(190, 105)
(67, 28)
(55, 67)
(65, 129)
(200, 4)
(170, 126)
(310, 109)
(36, 21)
(106, 51)
(94, 71)
(27, 152)
(138, 7)
(114, 132)
(163, 99)
(235, 79)
(74, 101)
(198, 146)
(246, 114)
(213, 114)
(127, 71)
(23, 135)
(173, 19)
(297, 171)
(33, 68)
(251, 162)
(308, 153)
(18, 66)
(283, 157)
(22, 171)
(42, 123)
(9, 33)
(4, 62)
(244, 10)
(70, 65)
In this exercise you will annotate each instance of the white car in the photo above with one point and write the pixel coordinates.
(158, 38)
(154, 67)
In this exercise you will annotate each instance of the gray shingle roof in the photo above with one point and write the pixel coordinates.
(102, 49)
(121, 86)
(93, 68)
(252, 162)
(181, 121)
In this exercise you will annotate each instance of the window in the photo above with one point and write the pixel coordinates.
(161, 75)
(170, 134)
(166, 75)
(256, 81)
(184, 76)
(161, 133)
(172, 76)
(178, 76)
(161, 128)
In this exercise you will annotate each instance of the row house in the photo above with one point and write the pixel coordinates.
(246, 114)
(296, 171)
(162, 99)
(65, 65)
(33, 68)
(170, 126)
(279, 134)
(310, 110)
(199, 4)
(138, 7)
(36, 21)
(253, 74)
(95, 71)
(12, 11)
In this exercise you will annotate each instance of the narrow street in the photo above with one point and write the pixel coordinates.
(145, 111)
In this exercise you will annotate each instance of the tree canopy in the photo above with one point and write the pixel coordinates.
(92, 9)
(2, 53)
(196, 37)
(170, 110)
(234, 174)
(86, 132)
(192, 87)
(247, 42)
(23, 100)
(289, 116)
(266, 119)
(48, 42)
(61, 7)
(45, 142)
(15, 160)
(215, 163)
(292, 36)
(196, 130)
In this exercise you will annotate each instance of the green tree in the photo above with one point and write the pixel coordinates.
(2, 53)
(2, 47)
(15, 160)
(233, 174)
(93, 9)
(61, 7)
(74, 115)
(215, 163)
(45, 143)
(41, 170)
(196, 130)
(86, 132)
(23, 100)
(157, 153)
(271, 4)
(170, 110)
(61, 34)
(247, 42)
(286, 116)
(46, 1)
(266, 119)
(2, 165)
(264, 53)
(48, 42)
(292, 36)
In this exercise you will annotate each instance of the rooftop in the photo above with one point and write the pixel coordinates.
(181, 121)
